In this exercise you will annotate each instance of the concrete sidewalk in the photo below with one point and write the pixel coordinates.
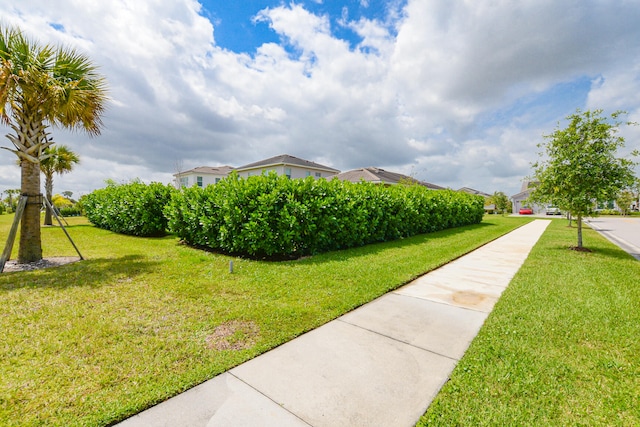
(379, 365)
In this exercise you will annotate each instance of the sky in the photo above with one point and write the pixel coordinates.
(457, 93)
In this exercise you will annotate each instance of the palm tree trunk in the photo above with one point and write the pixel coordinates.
(30, 249)
(48, 186)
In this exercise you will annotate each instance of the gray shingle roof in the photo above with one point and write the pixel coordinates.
(285, 159)
(218, 170)
(472, 191)
(381, 176)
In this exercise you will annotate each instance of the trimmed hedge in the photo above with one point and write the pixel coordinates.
(135, 208)
(70, 211)
(272, 216)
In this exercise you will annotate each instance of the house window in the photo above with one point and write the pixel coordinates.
(217, 180)
(199, 181)
(318, 175)
(287, 172)
(308, 173)
(184, 181)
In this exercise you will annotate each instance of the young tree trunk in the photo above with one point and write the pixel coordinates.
(48, 186)
(30, 249)
(579, 221)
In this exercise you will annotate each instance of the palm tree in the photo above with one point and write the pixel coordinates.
(10, 193)
(57, 159)
(42, 86)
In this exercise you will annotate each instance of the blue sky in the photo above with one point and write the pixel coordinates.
(236, 28)
(453, 92)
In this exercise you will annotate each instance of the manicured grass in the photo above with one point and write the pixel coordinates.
(141, 319)
(561, 347)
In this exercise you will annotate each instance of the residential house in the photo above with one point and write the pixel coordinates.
(284, 164)
(476, 192)
(381, 176)
(201, 176)
(488, 207)
(519, 201)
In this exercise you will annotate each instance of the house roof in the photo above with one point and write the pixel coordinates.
(285, 159)
(521, 195)
(472, 191)
(214, 170)
(380, 176)
(526, 188)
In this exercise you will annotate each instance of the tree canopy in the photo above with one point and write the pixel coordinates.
(579, 166)
(501, 201)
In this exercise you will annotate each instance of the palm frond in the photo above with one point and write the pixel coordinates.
(42, 84)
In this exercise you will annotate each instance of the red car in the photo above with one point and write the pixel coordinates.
(526, 211)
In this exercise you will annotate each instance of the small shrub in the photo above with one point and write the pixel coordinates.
(70, 211)
(59, 201)
(135, 208)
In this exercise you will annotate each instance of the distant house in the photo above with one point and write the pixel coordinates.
(201, 176)
(291, 166)
(381, 176)
(473, 191)
(518, 201)
(488, 207)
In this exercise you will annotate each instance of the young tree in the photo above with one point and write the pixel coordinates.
(57, 159)
(624, 201)
(501, 201)
(581, 167)
(69, 195)
(11, 194)
(40, 86)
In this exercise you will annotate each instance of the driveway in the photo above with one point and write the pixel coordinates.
(623, 231)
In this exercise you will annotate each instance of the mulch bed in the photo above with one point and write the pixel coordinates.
(12, 265)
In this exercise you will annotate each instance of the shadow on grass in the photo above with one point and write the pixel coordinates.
(91, 273)
(591, 250)
(376, 248)
(365, 250)
(610, 252)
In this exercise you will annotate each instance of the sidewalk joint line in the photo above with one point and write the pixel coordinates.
(398, 340)
(267, 397)
(439, 302)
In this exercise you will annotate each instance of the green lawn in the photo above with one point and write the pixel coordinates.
(90, 343)
(561, 347)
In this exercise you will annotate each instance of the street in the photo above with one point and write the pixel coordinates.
(623, 231)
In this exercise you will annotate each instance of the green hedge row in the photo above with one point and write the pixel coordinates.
(273, 216)
(135, 208)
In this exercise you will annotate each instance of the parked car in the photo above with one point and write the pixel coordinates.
(526, 211)
(552, 210)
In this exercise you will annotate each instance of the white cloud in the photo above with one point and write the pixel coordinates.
(618, 91)
(426, 90)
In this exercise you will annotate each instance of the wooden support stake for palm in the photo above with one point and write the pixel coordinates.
(12, 234)
(48, 203)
